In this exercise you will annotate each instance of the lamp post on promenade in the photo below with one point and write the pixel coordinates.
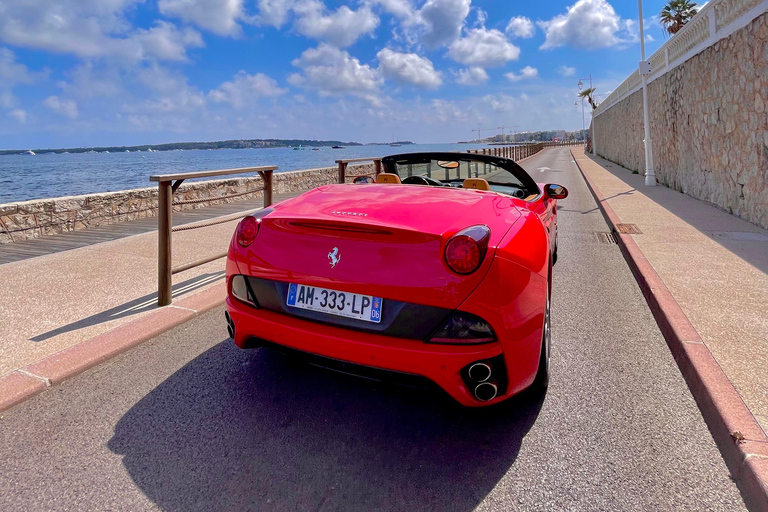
(644, 68)
(576, 105)
(594, 142)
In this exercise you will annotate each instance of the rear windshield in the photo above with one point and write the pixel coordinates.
(454, 172)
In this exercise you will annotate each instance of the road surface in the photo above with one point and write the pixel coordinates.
(189, 422)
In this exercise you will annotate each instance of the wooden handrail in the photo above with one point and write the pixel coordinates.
(343, 166)
(208, 174)
(168, 184)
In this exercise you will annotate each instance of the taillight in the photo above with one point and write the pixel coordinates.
(463, 329)
(249, 227)
(465, 251)
(247, 230)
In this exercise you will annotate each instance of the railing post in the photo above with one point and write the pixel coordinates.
(342, 172)
(164, 216)
(266, 176)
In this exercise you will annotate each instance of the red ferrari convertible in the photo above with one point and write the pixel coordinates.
(437, 270)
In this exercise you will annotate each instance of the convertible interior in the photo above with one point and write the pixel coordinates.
(477, 174)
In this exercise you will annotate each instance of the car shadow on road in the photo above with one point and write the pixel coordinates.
(257, 430)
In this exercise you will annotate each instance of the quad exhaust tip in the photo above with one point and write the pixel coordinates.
(479, 372)
(486, 391)
(230, 325)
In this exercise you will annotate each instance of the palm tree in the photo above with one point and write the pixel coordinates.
(588, 93)
(676, 14)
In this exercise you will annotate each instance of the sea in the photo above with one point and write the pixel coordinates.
(46, 175)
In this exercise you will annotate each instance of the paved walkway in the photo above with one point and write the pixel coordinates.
(714, 264)
(52, 302)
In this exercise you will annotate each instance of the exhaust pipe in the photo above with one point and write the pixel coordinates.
(230, 324)
(486, 391)
(479, 372)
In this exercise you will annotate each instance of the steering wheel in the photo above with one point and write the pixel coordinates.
(421, 180)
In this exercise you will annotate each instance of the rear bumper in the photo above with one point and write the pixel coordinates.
(441, 364)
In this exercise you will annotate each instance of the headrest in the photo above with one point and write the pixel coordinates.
(476, 184)
(386, 177)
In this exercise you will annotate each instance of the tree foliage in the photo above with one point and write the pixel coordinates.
(676, 14)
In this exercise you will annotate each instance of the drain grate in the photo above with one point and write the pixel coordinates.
(605, 238)
(628, 229)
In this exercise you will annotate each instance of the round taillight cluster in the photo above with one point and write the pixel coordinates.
(462, 254)
(465, 251)
(247, 231)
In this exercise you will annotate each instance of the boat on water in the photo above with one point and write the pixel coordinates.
(338, 147)
(315, 149)
(28, 152)
(297, 148)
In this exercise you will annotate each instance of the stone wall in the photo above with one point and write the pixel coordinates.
(32, 219)
(709, 125)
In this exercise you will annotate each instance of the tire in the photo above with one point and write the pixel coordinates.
(542, 375)
(554, 254)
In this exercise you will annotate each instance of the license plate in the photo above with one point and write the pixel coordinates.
(350, 305)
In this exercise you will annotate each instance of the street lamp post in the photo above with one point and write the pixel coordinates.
(583, 126)
(643, 68)
(594, 143)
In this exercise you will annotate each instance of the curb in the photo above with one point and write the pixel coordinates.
(724, 412)
(39, 376)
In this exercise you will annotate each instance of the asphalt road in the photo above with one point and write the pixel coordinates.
(189, 422)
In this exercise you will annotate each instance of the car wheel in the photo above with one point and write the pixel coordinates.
(542, 375)
(554, 254)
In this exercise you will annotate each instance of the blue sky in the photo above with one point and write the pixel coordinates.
(122, 72)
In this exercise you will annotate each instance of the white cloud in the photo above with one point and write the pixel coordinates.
(164, 41)
(520, 26)
(526, 72)
(274, 12)
(62, 106)
(484, 48)
(472, 76)
(19, 115)
(13, 73)
(219, 16)
(442, 21)
(341, 28)
(588, 24)
(245, 89)
(332, 71)
(408, 68)
(400, 8)
(91, 29)
(566, 71)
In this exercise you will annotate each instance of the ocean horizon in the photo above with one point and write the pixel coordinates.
(43, 176)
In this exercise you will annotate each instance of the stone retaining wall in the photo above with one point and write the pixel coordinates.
(708, 125)
(32, 219)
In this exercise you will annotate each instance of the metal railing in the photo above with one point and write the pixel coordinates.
(716, 20)
(168, 184)
(343, 166)
(512, 152)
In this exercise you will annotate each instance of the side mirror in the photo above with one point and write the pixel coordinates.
(555, 191)
(364, 179)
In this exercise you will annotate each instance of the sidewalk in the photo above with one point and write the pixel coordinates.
(64, 312)
(714, 266)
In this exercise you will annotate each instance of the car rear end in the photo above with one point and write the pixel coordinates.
(392, 278)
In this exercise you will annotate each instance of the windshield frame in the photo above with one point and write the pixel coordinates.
(390, 165)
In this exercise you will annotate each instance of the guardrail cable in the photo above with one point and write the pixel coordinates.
(214, 222)
(217, 198)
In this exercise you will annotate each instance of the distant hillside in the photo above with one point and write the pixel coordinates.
(175, 146)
